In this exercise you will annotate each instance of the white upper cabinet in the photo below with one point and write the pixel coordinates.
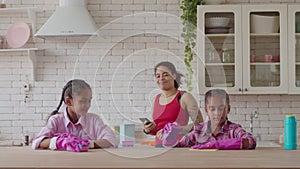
(246, 55)
(265, 37)
(294, 48)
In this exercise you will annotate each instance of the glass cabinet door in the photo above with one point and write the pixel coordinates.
(294, 48)
(264, 49)
(219, 47)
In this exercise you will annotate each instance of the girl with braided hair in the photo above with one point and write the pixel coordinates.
(75, 128)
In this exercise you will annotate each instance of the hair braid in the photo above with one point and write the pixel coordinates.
(62, 99)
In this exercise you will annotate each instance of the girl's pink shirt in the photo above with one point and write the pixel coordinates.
(89, 127)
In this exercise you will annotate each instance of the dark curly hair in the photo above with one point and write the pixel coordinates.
(171, 67)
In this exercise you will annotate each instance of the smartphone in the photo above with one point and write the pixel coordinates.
(145, 120)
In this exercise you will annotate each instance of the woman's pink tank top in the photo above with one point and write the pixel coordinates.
(171, 112)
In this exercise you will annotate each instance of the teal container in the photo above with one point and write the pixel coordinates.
(290, 132)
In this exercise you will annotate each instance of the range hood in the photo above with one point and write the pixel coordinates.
(70, 18)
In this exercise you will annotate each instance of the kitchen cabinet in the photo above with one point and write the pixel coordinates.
(257, 61)
(294, 48)
(31, 51)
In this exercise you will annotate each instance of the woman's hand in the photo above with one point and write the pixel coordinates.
(159, 134)
(148, 127)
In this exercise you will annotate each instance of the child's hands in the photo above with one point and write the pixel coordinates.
(76, 144)
(170, 133)
(208, 145)
(229, 144)
(69, 142)
(245, 144)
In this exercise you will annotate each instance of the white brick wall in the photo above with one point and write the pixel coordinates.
(118, 65)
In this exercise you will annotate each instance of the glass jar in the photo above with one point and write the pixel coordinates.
(212, 55)
(1, 42)
(252, 56)
(226, 55)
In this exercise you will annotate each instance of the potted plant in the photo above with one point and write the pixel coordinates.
(189, 21)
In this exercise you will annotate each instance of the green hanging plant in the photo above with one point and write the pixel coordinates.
(189, 21)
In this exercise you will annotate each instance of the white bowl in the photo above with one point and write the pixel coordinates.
(214, 2)
(264, 23)
(217, 22)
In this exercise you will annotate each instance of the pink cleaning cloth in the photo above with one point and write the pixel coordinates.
(69, 142)
(170, 133)
(229, 144)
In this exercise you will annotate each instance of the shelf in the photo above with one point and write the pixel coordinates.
(18, 50)
(31, 55)
(223, 85)
(219, 64)
(220, 35)
(31, 12)
(264, 63)
(17, 10)
(264, 35)
(31, 52)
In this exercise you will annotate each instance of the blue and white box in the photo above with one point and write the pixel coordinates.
(127, 133)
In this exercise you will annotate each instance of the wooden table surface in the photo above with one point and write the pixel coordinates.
(149, 157)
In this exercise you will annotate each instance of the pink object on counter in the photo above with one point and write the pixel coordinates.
(127, 143)
(18, 34)
(69, 142)
(170, 133)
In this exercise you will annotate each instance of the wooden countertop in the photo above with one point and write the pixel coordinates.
(149, 157)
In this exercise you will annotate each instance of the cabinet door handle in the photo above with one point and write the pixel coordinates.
(246, 89)
(240, 90)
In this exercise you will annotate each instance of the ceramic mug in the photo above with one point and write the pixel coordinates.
(275, 58)
(1, 42)
(268, 58)
(252, 58)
